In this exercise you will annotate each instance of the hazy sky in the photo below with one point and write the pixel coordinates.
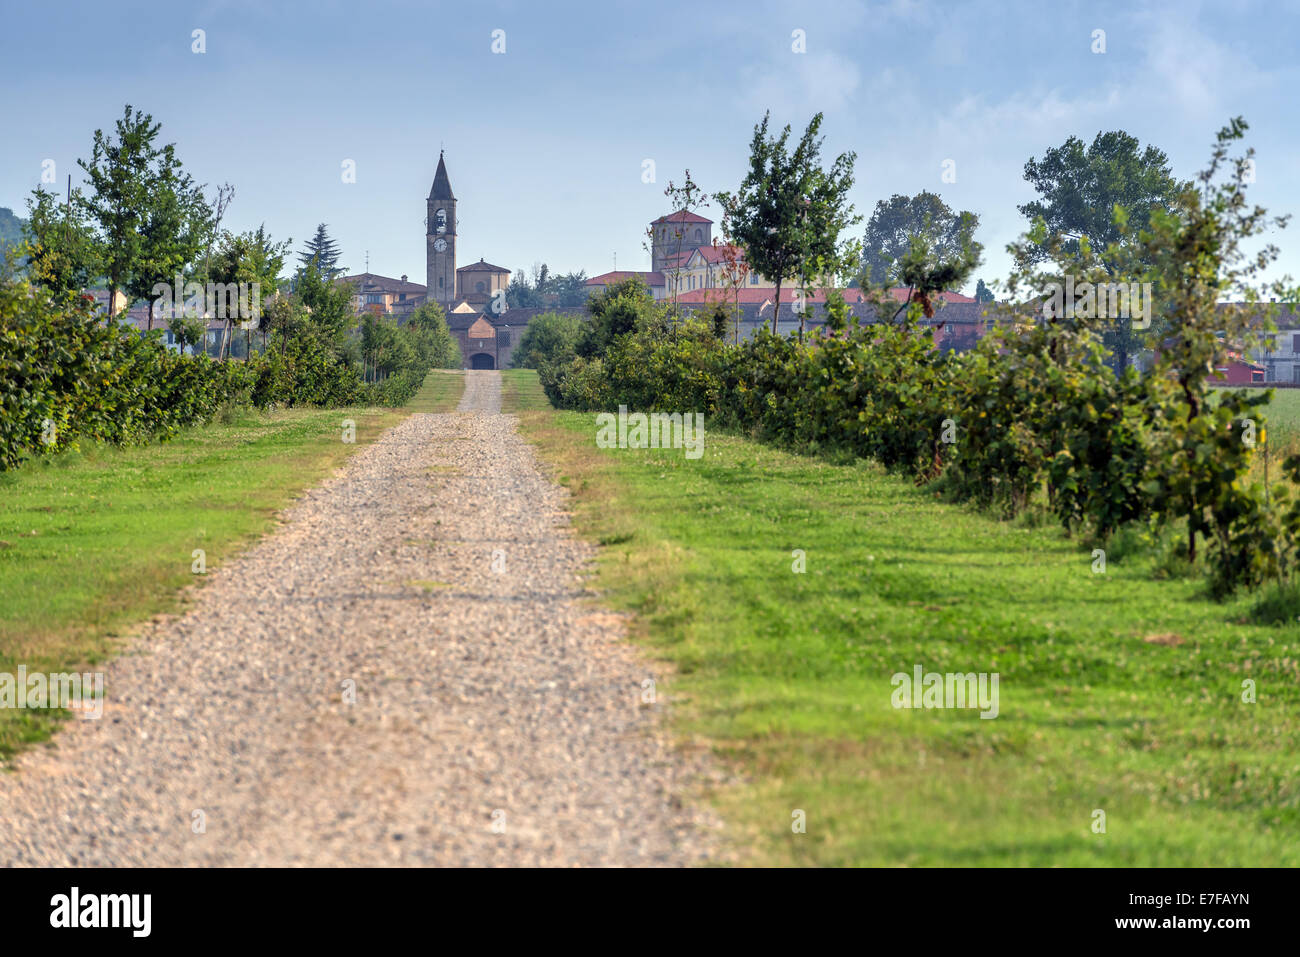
(546, 142)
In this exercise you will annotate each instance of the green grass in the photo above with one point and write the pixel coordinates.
(1284, 423)
(93, 542)
(1118, 692)
(1282, 418)
(520, 391)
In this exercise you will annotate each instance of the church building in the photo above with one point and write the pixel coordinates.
(473, 296)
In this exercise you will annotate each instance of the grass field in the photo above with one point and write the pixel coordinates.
(93, 542)
(1118, 693)
(1284, 423)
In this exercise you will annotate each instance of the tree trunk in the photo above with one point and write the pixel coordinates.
(776, 307)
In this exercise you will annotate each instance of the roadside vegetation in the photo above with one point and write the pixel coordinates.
(1119, 546)
(1035, 419)
(74, 372)
(1121, 691)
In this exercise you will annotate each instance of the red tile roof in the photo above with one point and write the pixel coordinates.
(718, 254)
(609, 278)
(681, 216)
(373, 282)
(482, 266)
(751, 294)
(679, 259)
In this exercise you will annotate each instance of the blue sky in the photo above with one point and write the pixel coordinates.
(546, 142)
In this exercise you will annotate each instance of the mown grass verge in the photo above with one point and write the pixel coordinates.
(1119, 693)
(92, 542)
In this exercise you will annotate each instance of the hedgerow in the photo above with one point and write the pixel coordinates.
(67, 375)
(1034, 413)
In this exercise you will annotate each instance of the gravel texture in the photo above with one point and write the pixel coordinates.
(498, 718)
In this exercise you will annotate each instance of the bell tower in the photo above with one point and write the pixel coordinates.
(440, 239)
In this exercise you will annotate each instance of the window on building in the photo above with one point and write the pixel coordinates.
(753, 280)
(480, 287)
(1295, 343)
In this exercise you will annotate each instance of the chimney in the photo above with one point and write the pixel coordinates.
(403, 277)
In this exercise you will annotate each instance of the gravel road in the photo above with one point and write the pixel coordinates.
(498, 719)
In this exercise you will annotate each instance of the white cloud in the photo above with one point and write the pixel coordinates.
(800, 84)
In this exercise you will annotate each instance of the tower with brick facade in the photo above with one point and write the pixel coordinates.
(440, 239)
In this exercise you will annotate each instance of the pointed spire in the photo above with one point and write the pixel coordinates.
(441, 184)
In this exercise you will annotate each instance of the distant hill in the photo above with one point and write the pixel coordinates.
(11, 227)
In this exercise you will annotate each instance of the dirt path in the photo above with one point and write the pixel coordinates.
(496, 720)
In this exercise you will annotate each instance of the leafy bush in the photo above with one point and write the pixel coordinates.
(551, 337)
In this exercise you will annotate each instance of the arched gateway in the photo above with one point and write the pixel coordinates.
(482, 360)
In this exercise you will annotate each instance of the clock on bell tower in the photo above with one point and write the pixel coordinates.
(440, 239)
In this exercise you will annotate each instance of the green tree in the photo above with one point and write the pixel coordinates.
(569, 289)
(440, 348)
(684, 200)
(1195, 252)
(152, 218)
(329, 304)
(550, 337)
(789, 212)
(63, 252)
(253, 259)
(323, 252)
(983, 293)
(522, 294)
(11, 229)
(619, 310)
(896, 222)
(1079, 189)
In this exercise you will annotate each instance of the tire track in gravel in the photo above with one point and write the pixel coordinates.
(497, 720)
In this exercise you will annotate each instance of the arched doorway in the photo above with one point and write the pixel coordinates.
(482, 360)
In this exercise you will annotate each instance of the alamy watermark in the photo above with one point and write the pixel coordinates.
(218, 300)
(1100, 300)
(656, 430)
(933, 689)
(82, 693)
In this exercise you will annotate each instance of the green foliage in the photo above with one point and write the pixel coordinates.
(435, 346)
(63, 253)
(1034, 416)
(1206, 448)
(1104, 194)
(11, 229)
(898, 221)
(778, 669)
(546, 289)
(328, 303)
(321, 254)
(68, 376)
(615, 312)
(788, 213)
(151, 217)
(549, 338)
